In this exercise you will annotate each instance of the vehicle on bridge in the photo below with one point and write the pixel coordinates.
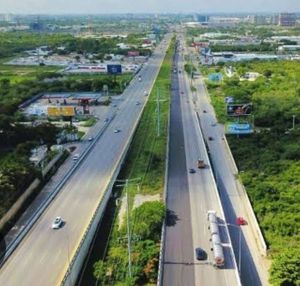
(200, 164)
(217, 247)
(58, 222)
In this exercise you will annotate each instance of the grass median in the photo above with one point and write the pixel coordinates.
(145, 162)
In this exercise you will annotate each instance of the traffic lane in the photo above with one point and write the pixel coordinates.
(177, 269)
(206, 194)
(40, 250)
(234, 208)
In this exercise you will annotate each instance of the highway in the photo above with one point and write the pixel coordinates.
(252, 265)
(189, 197)
(43, 256)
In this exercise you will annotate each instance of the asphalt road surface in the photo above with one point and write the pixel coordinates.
(43, 256)
(252, 265)
(189, 198)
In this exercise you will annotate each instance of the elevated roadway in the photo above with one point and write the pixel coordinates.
(43, 256)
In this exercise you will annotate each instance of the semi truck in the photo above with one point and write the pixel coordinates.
(215, 239)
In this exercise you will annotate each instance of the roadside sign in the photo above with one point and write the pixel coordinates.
(114, 69)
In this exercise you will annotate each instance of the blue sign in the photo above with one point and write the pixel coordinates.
(114, 69)
(239, 128)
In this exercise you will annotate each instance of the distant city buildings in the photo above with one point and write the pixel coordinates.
(287, 19)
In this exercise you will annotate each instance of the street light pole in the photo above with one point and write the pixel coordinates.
(125, 185)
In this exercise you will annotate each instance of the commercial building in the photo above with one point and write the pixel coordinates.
(287, 19)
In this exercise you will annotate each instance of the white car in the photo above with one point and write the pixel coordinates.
(117, 130)
(90, 138)
(57, 223)
(76, 157)
(145, 93)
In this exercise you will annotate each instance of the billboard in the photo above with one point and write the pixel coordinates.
(239, 109)
(133, 53)
(238, 128)
(61, 111)
(114, 69)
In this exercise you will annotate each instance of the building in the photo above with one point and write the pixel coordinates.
(258, 19)
(287, 19)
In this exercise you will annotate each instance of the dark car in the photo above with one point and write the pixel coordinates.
(210, 138)
(200, 254)
(192, 171)
(204, 111)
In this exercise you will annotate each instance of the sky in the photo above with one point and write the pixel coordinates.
(142, 6)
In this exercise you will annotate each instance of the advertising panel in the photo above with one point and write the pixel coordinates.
(61, 111)
(239, 109)
(114, 69)
(133, 53)
(238, 128)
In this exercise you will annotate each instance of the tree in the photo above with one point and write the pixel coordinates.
(100, 272)
(285, 269)
(148, 219)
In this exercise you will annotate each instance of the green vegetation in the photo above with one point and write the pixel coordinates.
(89, 122)
(189, 68)
(145, 160)
(269, 159)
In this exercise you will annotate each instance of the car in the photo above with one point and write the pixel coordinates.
(57, 223)
(114, 105)
(145, 93)
(117, 130)
(106, 119)
(214, 124)
(76, 157)
(137, 103)
(200, 254)
(204, 111)
(90, 138)
(210, 138)
(192, 171)
(240, 221)
(181, 92)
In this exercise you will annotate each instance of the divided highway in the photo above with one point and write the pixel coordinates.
(43, 257)
(190, 196)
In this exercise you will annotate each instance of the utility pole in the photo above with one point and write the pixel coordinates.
(294, 116)
(125, 185)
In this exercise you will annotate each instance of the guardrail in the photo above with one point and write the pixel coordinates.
(241, 188)
(12, 246)
(75, 263)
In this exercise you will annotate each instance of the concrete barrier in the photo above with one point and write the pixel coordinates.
(255, 225)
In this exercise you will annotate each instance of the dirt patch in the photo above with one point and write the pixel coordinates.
(140, 199)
